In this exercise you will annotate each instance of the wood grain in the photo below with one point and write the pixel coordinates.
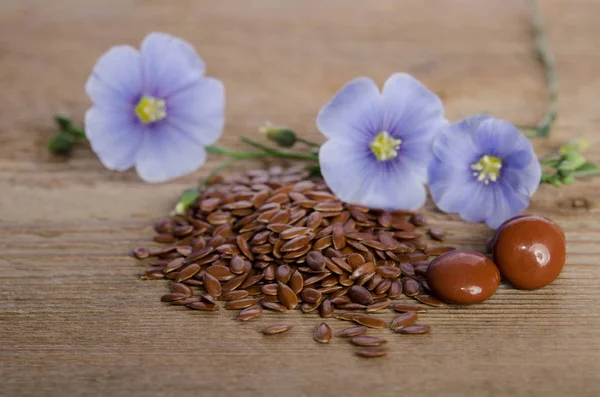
(75, 319)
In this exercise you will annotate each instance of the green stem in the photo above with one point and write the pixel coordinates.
(279, 154)
(546, 59)
(213, 149)
(307, 142)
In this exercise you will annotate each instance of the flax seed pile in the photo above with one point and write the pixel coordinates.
(277, 240)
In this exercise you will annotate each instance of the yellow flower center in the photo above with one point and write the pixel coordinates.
(487, 169)
(385, 147)
(150, 109)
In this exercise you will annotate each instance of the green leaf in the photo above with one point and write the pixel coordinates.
(571, 161)
(587, 166)
(556, 182)
(567, 180)
(61, 144)
(550, 163)
(63, 122)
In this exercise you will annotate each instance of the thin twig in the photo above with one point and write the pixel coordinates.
(545, 57)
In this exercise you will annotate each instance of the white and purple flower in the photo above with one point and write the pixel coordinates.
(153, 108)
(484, 169)
(379, 143)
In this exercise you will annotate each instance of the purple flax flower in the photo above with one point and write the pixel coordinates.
(153, 108)
(379, 143)
(484, 169)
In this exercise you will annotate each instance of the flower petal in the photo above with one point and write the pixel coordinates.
(166, 154)
(450, 185)
(170, 64)
(394, 187)
(507, 203)
(454, 145)
(479, 202)
(199, 110)
(115, 137)
(497, 137)
(353, 111)
(355, 177)
(409, 107)
(116, 79)
(530, 177)
(525, 180)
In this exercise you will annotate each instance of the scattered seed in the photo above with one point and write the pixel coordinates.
(377, 306)
(292, 232)
(276, 307)
(274, 240)
(371, 353)
(418, 219)
(347, 316)
(411, 287)
(361, 295)
(203, 306)
(369, 321)
(212, 285)
(430, 300)
(311, 295)
(351, 306)
(181, 288)
(367, 341)
(413, 329)
(437, 233)
(408, 307)
(250, 313)
(276, 329)
(363, 269)
(187, 272)
(141, 253)
(352, 331)
(403, 320)
(241, 303)
(326, 309)
(315, 260)
(287, 297)
(328, 206)
(339, 237)
(395, 289)
(173, 296)
(322, 333)
(234, 295)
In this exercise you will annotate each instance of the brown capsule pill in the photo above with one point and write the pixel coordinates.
(530, 251)
(463, 277)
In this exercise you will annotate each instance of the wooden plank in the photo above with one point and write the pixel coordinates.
(77, 321)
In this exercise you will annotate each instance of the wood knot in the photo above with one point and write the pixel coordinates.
(575, 204)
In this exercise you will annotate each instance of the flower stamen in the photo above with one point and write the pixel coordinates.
(385, 147)
(150, 110)
(487, 169)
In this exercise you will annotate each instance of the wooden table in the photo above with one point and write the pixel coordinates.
(75, 320)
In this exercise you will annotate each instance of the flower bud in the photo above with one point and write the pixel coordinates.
(574, 146)
(282, 136)
(187, 198)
